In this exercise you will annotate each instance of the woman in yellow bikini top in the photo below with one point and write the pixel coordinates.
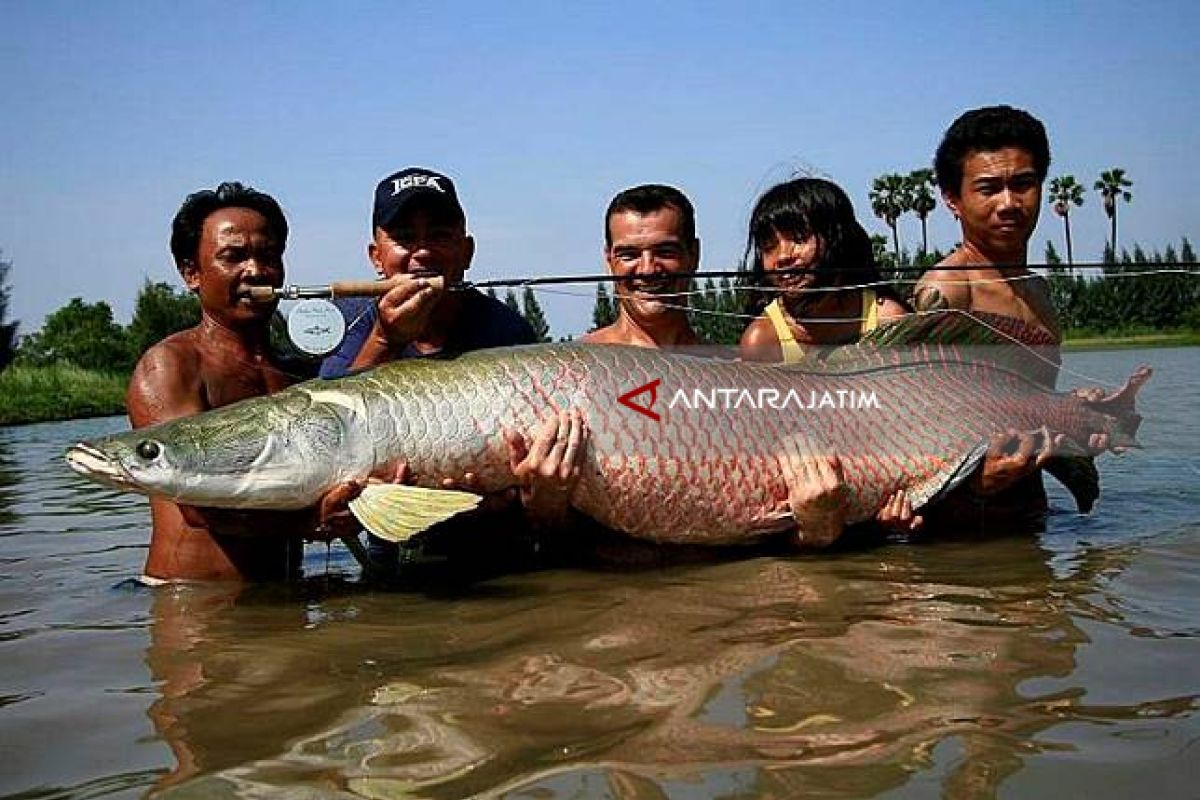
(809, 223)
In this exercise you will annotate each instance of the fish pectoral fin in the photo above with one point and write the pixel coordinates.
(1080, 476)
(397, 512)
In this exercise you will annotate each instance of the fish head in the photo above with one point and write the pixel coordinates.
(269, 452)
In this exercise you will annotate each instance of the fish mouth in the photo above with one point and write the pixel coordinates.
(94, 464)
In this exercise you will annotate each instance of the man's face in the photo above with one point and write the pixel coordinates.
(646, 244)
(237, 250)
(999, 200)
(423, 241)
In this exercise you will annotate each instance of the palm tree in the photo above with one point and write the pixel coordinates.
(920, 183)
(891, 196)
(1065, 191)
(1112, 187)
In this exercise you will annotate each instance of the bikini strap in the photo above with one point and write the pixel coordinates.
(792, 351)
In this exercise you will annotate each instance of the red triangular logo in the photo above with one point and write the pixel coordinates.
(648, 409)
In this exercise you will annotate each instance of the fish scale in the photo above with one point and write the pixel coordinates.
(697, 474)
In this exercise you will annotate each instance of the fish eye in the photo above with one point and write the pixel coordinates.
(148, 449)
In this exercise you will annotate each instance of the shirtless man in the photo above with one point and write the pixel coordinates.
(650, 229)
(224, 241)
(990, 167)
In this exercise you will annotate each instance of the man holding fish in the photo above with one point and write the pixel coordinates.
(225, 242)
(420, 244)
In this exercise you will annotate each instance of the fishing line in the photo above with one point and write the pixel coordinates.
(819, 289)
(545, 284)
(1167, 267)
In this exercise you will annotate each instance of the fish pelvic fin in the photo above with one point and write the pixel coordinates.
(1080, 476)
(396, 512)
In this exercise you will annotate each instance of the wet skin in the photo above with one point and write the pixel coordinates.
(761, 343)
(651, 312)
(222, 360)
(997, 207)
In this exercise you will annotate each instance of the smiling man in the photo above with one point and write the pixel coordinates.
(650, 230)
(990, 167)
(419, 232)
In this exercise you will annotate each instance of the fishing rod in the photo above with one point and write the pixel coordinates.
(378, 288)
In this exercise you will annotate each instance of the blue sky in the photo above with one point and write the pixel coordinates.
(542, 111)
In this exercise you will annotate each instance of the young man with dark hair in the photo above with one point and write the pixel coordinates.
(650, 231)
(224, 241)
(990, 166)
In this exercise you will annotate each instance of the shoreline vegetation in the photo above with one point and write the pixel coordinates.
(58, 392)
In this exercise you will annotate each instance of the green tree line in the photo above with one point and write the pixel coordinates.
(1136, 292)
(8, 330)
(85, 335)
(895, 194)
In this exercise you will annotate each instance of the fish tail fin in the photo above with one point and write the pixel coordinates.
(1080, 476)
(1121, 405)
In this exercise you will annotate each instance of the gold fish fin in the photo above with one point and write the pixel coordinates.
(396, 512)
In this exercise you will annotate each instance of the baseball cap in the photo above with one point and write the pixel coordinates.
(401, 188)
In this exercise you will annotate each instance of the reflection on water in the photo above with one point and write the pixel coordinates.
(8, 483)
(1007, 666)
(765, 677)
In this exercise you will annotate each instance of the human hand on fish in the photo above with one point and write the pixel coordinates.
(334, 520)
(1098, 442)
(1014, 455)
(897, 515)
(817, 495)
(548, 470)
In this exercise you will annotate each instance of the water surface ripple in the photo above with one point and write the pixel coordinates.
(1008, 666)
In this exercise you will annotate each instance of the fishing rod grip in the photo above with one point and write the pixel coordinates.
(360, 288)
(376, 288)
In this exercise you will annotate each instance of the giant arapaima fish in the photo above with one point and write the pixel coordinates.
(682, 448)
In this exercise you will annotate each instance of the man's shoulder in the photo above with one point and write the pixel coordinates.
(605, 335)
(178, 352)
(167, 377)
(944, 285)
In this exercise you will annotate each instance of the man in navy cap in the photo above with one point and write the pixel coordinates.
(419, 231)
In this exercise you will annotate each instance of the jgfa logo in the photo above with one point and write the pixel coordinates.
(648, 409)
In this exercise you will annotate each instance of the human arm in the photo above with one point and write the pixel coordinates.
(891, 310)
(401, 316)
(760, 343)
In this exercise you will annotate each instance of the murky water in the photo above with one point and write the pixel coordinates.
(1013, 666)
